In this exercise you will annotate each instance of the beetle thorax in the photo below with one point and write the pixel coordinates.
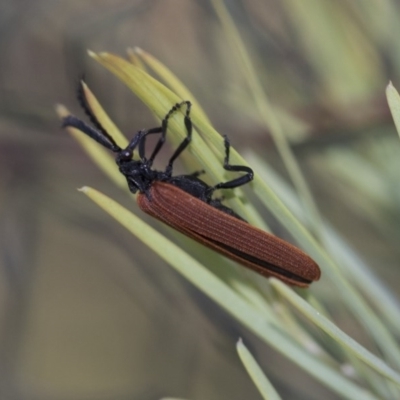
(139, 174)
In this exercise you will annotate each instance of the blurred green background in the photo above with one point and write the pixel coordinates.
(86, 312)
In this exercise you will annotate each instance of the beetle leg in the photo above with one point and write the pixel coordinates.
(188, 138)
(242, 180)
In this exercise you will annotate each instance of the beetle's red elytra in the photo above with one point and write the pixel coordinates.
(186, 203)
(236, 239)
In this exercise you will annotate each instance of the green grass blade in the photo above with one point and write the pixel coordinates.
(170, 79)
(263, 384)
(332, 330)
(393, 99)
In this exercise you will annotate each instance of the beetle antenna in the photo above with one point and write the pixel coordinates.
(99, 136)
(86, 108)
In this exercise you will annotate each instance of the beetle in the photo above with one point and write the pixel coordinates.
(186, 203)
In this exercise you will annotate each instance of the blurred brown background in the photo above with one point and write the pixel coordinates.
(85, 311)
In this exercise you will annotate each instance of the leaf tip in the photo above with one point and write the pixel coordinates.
(239, 345)
(84, 189)
(389, 87)
(61, 110)
(92, 53)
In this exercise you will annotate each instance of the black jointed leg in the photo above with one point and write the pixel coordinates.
(140, 138)
(188, 138)
(142, 142)
(238, 168)
(164, 128)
